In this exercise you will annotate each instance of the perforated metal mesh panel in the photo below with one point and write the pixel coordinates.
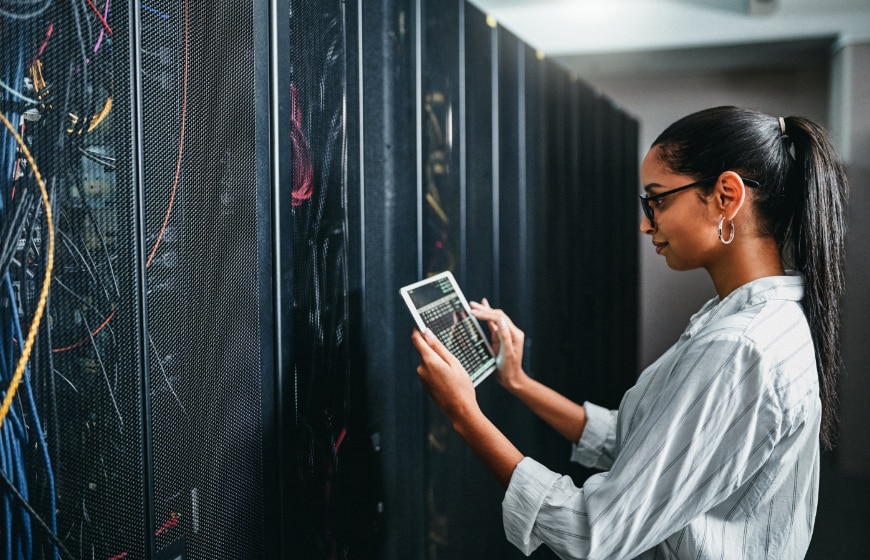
(203, 277)
(72, 440)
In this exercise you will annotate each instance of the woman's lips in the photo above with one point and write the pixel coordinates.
(660, 247)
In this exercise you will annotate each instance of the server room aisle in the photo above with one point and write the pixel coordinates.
(235, 191)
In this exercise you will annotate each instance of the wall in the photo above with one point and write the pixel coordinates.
(851, 64)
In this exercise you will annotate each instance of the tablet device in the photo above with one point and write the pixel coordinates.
(437, 303)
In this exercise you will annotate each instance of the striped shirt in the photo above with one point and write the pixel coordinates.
(713, 454)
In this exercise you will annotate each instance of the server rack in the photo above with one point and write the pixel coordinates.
(147, 378)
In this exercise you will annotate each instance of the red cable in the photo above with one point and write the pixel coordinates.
(44, 44)
(84, 340)
(99, 15)
(303, 169)
(169, 524)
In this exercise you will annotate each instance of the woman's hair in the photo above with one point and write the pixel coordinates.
(801, 202)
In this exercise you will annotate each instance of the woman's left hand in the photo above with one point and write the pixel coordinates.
(443, 377)
(507, 342)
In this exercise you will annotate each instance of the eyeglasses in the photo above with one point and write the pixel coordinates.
(646, 200)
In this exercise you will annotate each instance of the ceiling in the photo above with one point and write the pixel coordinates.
(613, 37)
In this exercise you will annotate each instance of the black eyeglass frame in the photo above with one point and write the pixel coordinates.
(646, 199)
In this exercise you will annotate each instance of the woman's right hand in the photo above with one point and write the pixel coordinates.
(508, 339)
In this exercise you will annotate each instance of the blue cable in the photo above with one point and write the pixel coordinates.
(158, 13)
(11, 451)
(7, 452)
(27, 533)
(37, 425)
(4, 337)
(14, 469)
(18, 522)
(9, 456)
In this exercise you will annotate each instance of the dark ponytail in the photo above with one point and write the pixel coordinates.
(817, 234)
(801, 203)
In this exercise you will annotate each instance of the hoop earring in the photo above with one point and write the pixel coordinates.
(722, 239)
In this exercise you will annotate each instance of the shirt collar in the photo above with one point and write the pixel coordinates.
(789, 287)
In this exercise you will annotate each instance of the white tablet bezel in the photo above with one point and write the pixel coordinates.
(405, 293)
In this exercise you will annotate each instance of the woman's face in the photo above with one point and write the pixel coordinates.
(685, 230)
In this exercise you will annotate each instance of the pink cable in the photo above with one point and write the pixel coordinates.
(102, 29)
(303, 168)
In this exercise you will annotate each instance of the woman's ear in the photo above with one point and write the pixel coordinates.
(730, 193)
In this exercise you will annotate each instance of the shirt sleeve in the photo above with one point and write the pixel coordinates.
(685, 450)
(597, 445)
(533, 492)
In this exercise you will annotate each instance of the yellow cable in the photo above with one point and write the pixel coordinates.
(36, 77)
(97, 119)
(43, 295)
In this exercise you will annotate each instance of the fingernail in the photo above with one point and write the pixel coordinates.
(502, 323)
(427, 334)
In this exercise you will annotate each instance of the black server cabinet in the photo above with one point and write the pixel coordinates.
(74, 433)
(147, 396)
(334, 490)
(205, 276)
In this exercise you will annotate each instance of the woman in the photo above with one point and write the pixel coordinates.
(714, 453)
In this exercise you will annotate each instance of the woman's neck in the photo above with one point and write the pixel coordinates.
(744, 261)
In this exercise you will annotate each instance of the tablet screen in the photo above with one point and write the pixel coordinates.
(437, 303)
